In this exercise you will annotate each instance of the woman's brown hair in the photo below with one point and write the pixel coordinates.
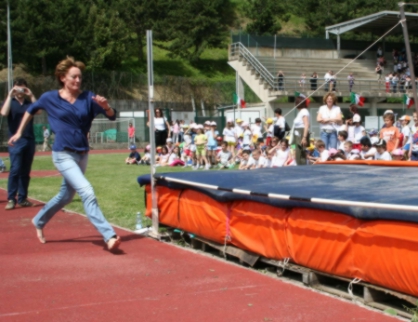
(300, 102)
(64, 66)
(334, 97)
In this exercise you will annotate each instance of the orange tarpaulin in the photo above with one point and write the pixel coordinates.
(321, 240)
(376, 251)
(252, 229)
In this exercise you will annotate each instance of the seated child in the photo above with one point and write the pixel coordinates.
(174, 159)
(256, 161)
(322, 151)
(146, 159)
(282, 154)
(381, 153)
(342, 137)
(163, 159)
(349, 152)
(134, 157)
(336, 155)
(169, 145)
(245, 156)
(224, 156)
(373, 136)
(367, 150)
(398, 155)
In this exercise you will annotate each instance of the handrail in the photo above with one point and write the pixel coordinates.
(240, 50)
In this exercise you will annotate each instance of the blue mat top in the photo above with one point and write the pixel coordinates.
(358, 183)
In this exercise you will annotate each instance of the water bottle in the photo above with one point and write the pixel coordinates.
(138, 221)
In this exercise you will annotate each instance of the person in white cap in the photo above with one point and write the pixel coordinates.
(238, 128)
(356, 132)
(201, 141)
(229, 136)
(169, 145)
(211, 134)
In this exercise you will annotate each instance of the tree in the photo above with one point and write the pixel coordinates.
(191, 26)
(265, 16)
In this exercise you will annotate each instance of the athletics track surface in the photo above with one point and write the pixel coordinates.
(73, 278)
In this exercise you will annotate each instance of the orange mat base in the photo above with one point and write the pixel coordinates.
(379, 252)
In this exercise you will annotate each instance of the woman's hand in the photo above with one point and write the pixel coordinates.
(102, 101)
(14, 138)
(304, 142)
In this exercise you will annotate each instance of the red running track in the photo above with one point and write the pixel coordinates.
(74, 278)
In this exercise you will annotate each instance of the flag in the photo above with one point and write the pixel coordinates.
(357, 99)
(408, 101)
(239, 101)
(308, 101)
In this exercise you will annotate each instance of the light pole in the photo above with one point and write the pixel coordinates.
(408, 52)
(9, 51)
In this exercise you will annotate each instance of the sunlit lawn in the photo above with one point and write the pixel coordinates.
(115, 185)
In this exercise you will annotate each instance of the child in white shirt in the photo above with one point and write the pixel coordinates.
(323, 152)
(256, 161)
(282, 154)
(367, 150)
(342, 137)
(381, 153)
(224, 156)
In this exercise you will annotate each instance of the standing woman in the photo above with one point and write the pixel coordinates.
(162, 128)
(301, 130)
(329, 116)
(70, 114)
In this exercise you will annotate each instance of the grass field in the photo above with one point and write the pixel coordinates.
(114, 183)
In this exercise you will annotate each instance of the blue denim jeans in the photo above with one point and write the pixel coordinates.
(21, 158)
(330, 139)
(72, 167)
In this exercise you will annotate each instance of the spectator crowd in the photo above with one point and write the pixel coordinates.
(267, 144)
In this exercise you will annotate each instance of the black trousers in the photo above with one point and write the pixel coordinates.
(160, 137)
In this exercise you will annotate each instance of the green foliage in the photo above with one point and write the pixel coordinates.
(194, 25)
(105, 34)
(265, 16)
(413, 311)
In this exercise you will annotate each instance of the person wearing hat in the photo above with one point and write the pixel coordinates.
(356, 131)
(134, 157)
(381, 153)
(398, 155)
(269, 129)
(169, 145)
(238, 128)
(406, 132)
(211, 134)
(229, 136)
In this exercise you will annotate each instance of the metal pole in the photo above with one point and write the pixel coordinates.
(202, 105)
(275, 48)
(408, 53)
(155, 224)
(9, 51)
